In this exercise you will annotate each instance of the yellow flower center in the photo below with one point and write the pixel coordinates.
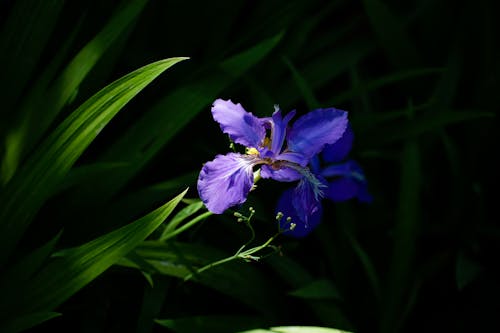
(252, 151)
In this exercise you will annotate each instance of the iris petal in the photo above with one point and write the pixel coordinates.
(342, 189)
(279, 126)
(311, 132)
(285, 206)
(226, 181)
(339, 150)
(241, 126)
(281, 175)
(350, 182)
(306, 200)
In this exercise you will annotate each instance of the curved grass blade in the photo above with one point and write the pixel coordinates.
(296, 329)
(72, 269)
(41, 112)
(211, 324)
(391, 32)
(28, 321)
(22, 40)
(42, 173)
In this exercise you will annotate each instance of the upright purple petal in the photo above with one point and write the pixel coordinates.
(285, 206)
(338, 151)
(278, 129)
(311, 132)
(241, 126)
(226, 181)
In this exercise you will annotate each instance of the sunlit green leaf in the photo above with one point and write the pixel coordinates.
(296, 329)
(181, 216)
(42, 173)
(210, 324)
(72, 269)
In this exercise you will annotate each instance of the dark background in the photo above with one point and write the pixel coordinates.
(421, 82)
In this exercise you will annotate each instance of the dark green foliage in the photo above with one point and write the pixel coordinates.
(90, 143)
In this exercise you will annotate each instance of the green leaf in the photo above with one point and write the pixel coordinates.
(318, 289)
(305, 89)
(41, 174)
(22, 40)
(72, 269)
(22, 270)
(296, 329)
(28, 321)
(181, 216)
(466, 270)
(405, 235)
(412, 128)
(238, 280)
(391, 32)
(367, 86)
(66, 85)
(210, 324)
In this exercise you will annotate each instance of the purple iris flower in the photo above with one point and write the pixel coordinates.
(283, 153)
(343, 180)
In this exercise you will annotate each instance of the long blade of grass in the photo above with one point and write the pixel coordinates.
(42, 173)
(296, 329)
(210, 324)
(66, 85)
(391, 32)
(22, 40)
(23, 323)
(72, 269)
(405, 235)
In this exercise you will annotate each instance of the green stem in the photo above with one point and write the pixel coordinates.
(187, 225)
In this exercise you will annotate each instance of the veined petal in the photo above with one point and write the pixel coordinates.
(293, 157)
(241, 126)
(278, 129)
(311, 132)
(286, 207)
(339, 150)
(226, 181)
(306, 199)
(282, 175)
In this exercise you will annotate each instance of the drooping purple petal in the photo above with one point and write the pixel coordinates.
(338, 151)
(311, 132)
(226, 181)
(241, 126)
(306, 199)
(286, 207)
(282, 175)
